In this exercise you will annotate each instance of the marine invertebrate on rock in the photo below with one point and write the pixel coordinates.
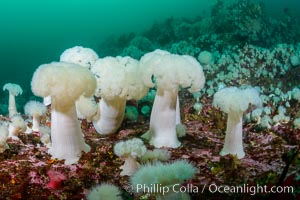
(104, 191)
(205, 58)
(281, 117)
(130, 150)
(156, 155)
(296, 123)
(117, 81)
(16, 125)
(65, 83)
(131, 113)
(266, 122)
(35, 110)
(168, 177)
(14, 90)
(235, 102)
(296, 94)
(45, 132)
(3, 138)
(86, 108)
(56, 178)
(82, 56)
(168, 72)
(295, 60)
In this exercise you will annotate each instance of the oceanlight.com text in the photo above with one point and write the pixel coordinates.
(249, 189)
(213, 188)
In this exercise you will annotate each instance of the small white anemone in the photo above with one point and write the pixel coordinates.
(296, 94)
(266, 122)
(3, 138)
(16, 125)
(295, 60)
(117, 81)
(14, 90)
(45, 136)
(164, 175)
(86, 108)
(256, 115)
(296, 123)
(281, 117)
(205, 58)
(82, 56)
(35, 110)
(168, 73)
(156, 155)
(105, 191)
(235, 102)
(65, 83)
(130, 150)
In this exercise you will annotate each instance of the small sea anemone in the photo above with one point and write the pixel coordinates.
(104, 191)
(168, 73)
(14, 90)
(235, 102)
(3, 138)
(56, 178)
(156, 155)
(130, 150)
(164, 175)
(45, 136)
(117, 81)
(296, 94)
(86, 108)
(16, 126)
(205, 58)
(281, 117)
(65, 83)
(35, 109)
(82, 56)
(296, 123)
(295, 60)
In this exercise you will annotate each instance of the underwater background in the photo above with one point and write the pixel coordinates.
(34, 32)
(239, 43)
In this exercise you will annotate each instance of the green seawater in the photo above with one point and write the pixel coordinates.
(34, 32)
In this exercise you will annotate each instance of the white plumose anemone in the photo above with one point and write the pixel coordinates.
(65, 83)
(235, 102)
(14, 90)
(167, 72)
(117, 82)
(35, 110)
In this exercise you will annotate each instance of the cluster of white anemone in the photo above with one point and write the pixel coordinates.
(81, 76)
